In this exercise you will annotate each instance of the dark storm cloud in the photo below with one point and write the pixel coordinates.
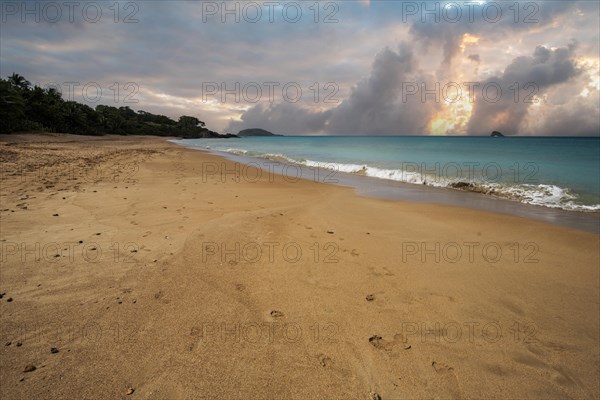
(493, 19)
(376, 105)
(379, 104)
(526, 76)
(577, 118)
(283, 118)
(373, 107)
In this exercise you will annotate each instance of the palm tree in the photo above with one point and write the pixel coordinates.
(19, 81)
(12, 107)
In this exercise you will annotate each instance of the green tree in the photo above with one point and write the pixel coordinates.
(111, 119)
(189, 124)
(19, 81)
(23, 107)
(12, 107)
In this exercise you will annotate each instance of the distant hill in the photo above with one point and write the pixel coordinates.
(496, 134)
(255, 132)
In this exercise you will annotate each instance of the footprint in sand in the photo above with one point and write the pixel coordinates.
(324, 360)
(195, 335)
(446, 373)
(395, 345)
(377, 341)
(159, 295)
(441, 368)
(376, 271)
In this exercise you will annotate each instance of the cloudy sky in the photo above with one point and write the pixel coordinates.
(306, 67)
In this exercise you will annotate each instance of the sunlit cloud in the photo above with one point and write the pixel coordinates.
(468, 39)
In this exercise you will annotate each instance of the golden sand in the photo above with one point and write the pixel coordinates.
(193, 282)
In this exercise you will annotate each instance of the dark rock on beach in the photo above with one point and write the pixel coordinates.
(29, 368)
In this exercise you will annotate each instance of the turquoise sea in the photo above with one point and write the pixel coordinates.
(556, 172)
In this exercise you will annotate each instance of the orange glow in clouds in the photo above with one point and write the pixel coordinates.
(453, 117)
(455, 112)
(467, 40)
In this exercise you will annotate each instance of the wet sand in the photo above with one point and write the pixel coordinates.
(394, 190)
(158, 272)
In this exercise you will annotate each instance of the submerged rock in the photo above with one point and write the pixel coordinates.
(461, 185)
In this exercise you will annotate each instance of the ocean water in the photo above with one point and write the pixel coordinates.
(555, 172)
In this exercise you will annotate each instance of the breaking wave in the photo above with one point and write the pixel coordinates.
(546, 195)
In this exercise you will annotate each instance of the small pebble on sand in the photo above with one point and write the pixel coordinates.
(374, 396)
(29, 368)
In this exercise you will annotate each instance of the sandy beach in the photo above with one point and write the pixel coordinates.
(136, 268)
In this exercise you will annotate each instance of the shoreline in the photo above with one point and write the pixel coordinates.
(197, 285)
(588, 221)
(519, 173)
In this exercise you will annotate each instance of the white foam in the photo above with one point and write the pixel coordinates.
(549, 196)
(239, 152)
(542, 194)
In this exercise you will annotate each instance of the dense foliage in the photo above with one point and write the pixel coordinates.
(24, 107)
